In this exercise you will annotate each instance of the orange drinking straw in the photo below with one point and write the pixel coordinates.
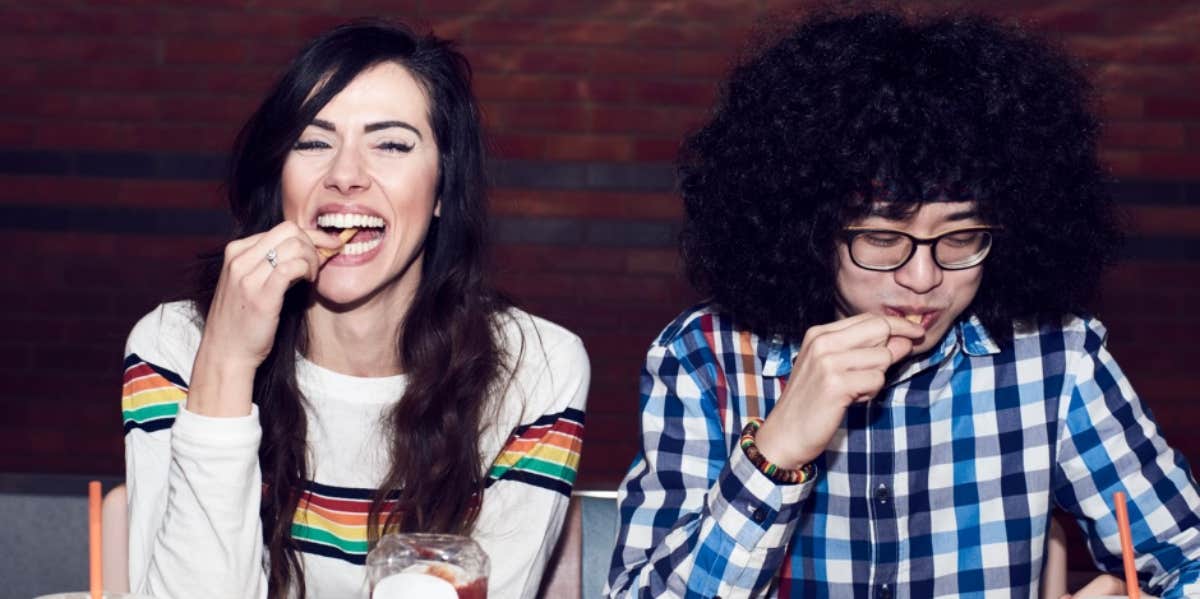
(1131, 580)
(94, 574)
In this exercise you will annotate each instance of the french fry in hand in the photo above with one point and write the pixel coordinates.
(345, 236)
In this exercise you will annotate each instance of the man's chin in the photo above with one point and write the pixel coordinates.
(930, 341)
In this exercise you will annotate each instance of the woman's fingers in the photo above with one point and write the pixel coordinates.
(286, 274)
(284, 243)
(255, 247)
(297, 250)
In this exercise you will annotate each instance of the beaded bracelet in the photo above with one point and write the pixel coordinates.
(799, 475)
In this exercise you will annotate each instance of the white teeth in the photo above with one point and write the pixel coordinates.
(344, 221)
(361, 247)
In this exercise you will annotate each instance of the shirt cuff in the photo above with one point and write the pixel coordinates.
(753, 509)
(214, 437)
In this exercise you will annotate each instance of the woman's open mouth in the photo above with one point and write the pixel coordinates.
(370, 231)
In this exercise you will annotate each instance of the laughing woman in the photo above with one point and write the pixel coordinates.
(315, 391)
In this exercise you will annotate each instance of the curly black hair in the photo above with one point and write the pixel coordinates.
(842, 112)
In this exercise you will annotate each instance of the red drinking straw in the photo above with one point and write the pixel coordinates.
(1131, 580)
(94, 574)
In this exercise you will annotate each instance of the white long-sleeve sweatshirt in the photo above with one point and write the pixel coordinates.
(195, 485)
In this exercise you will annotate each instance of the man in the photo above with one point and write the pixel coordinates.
(898, 223)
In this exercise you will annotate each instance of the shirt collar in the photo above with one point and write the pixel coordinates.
(779, 356)
(976, 340)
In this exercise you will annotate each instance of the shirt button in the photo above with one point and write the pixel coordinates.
(759, 514)
(885, 592)
(882, 494)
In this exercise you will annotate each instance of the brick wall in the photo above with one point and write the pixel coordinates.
(114, 117)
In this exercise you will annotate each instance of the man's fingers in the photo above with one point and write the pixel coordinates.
(844, 323)
(1103, 584)
(865, 358)
(900, 327)
(871, 331)
(864, 384)
(898, 348)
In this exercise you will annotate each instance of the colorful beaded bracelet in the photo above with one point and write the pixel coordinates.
(799, 475)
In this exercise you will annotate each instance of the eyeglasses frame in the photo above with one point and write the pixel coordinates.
(849, 233)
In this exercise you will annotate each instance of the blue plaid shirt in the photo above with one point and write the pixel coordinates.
(943, 485)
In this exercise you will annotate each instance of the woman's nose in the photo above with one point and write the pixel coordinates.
(347, 173)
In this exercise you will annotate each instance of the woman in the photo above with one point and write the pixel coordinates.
(317, 392)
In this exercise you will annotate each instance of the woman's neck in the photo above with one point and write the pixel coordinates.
(361, 341)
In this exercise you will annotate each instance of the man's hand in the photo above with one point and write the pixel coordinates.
(840, 363)
(1103, 585)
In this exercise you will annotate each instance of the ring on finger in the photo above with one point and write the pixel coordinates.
(272, 257)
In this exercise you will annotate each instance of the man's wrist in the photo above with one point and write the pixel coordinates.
(784, 475)
(778, 446)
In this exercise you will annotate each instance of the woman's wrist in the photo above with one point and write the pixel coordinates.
(220, 388)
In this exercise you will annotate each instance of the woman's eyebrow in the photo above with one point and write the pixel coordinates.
(373, 127)
(369, 127)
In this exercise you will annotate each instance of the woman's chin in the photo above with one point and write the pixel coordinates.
(339, 292)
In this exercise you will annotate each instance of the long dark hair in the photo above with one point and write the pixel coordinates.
(876, 106)
(449, 344)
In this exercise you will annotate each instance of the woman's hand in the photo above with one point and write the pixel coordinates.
(840, 363)
(240, 328)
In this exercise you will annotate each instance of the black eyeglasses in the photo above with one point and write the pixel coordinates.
(886, 249)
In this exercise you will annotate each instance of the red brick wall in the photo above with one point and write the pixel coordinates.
(562, 83)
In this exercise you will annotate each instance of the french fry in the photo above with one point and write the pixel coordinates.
(913, 318)
(345, 236)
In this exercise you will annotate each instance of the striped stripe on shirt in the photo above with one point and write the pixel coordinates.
(150, 396)
(544, 453)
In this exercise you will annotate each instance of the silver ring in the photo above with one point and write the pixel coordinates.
(271, 256)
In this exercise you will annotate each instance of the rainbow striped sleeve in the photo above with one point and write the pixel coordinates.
(332, 521)
(544, 454)
(150, 396)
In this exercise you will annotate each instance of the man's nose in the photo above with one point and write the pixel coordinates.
(921, 273)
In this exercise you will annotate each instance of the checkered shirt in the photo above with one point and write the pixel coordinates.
(941, 486)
